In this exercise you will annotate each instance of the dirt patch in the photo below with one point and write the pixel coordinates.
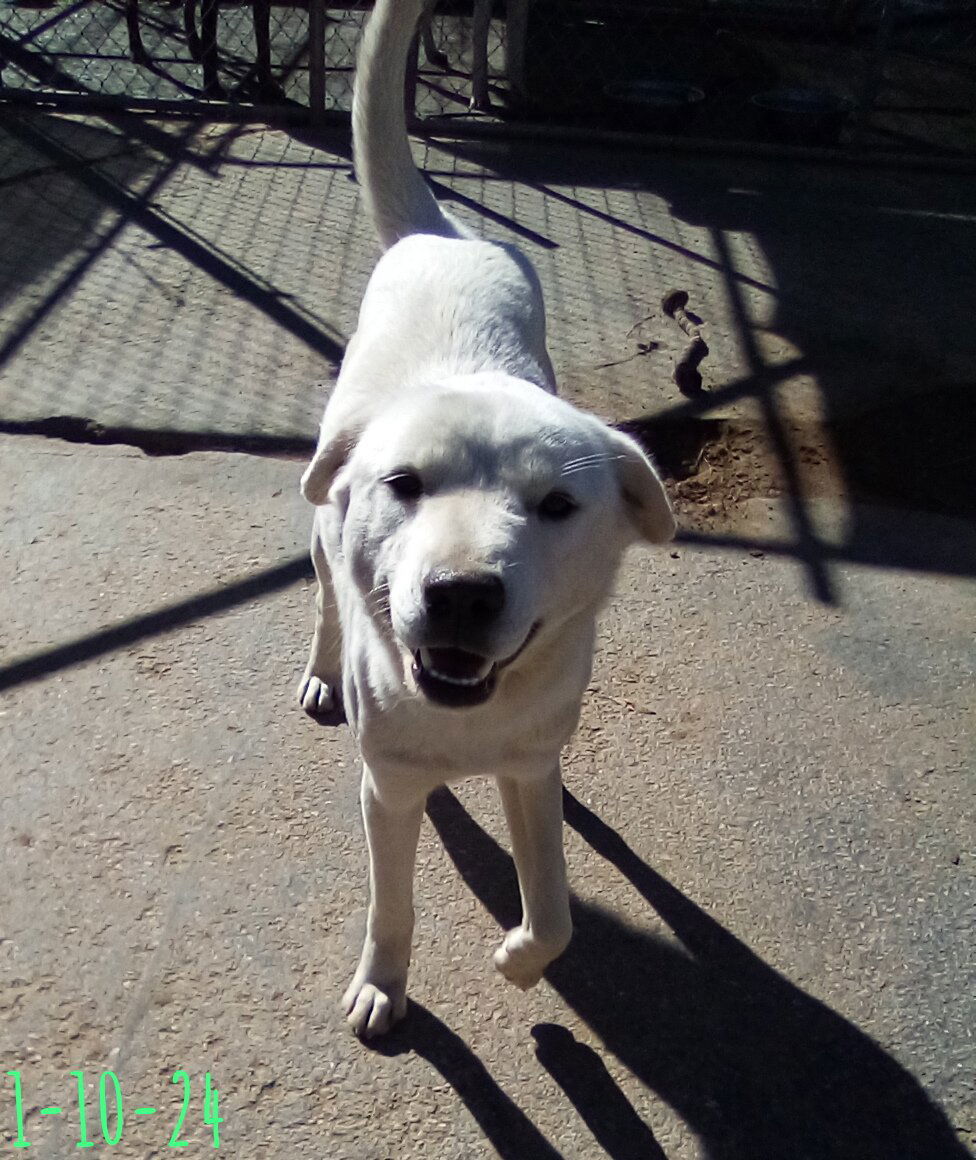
(915, 451)
(712, 467)
(733, 468)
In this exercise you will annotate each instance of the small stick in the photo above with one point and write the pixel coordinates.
(686, 373)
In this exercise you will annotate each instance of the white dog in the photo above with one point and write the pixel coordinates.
(468, 528)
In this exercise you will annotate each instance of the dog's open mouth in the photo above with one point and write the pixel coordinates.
(457, 678)
(451, 676)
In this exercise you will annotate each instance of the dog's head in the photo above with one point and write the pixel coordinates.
(474, 517)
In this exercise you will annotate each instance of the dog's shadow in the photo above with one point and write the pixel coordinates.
(752, 1064)
(503, 1122)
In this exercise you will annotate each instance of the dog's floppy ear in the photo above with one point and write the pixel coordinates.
(647, 502)
(329, 458)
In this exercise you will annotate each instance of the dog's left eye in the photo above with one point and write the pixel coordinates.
(557, 505)
(405, 484)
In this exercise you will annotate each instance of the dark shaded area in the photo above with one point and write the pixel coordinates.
(676, 442)
(754, 1066)
(137, 208)
(915, 451)
(509, 1130)
(590, 1088)
(157, 440)
(572, 51)
(47, 213)
(889, 537)
(910, 451)
(728, 52)
(51, 660)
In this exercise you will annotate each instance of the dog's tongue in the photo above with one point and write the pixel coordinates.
(455, 663)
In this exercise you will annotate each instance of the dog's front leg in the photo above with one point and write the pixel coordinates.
(320, 689)
(534, 810)
(377, 996)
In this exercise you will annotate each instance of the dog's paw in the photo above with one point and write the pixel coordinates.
(523, 957)
(318, 697)
(372, 1009)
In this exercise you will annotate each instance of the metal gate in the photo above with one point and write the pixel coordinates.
(860, 75)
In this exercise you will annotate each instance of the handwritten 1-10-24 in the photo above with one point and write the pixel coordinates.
(108, 1120)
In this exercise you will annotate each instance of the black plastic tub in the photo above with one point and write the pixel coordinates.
(802, 116)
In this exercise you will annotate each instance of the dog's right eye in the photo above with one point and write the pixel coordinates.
(557, 505)
(405, 484)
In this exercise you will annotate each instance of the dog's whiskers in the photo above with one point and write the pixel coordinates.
(377, 600)
(585, 462)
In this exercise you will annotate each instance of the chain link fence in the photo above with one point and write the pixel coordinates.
(868, 74)
(144, 53)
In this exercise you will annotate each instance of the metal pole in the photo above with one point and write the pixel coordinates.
(316, 60)
(410, 81)
(874, 71)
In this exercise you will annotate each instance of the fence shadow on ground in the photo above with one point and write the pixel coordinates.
(98, 181)
(51, 220)
(869, 287)
(868, 283)
(751, 1063)
(45, 662)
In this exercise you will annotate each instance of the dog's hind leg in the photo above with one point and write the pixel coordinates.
(377, 996)
(320, 690)
(534, 810)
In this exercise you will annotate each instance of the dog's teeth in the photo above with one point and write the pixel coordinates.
(455, 680)
(428, 663)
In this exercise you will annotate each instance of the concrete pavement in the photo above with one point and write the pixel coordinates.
(205, 278)
(769, 840)
(770, 823)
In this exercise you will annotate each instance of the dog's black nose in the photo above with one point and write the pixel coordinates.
(468, 601)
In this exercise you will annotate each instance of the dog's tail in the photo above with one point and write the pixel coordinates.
(396, 196)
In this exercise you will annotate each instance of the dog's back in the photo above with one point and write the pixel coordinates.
(441, 302)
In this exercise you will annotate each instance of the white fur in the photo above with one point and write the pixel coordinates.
(448, 377)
